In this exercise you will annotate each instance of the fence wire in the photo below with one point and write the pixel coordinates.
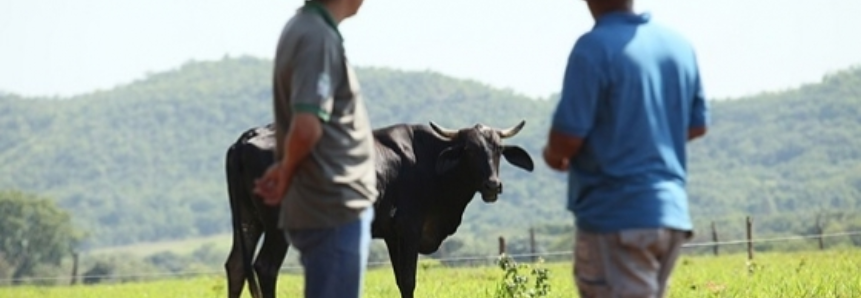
(442, 260)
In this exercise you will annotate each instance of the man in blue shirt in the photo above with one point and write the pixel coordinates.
(632, 98)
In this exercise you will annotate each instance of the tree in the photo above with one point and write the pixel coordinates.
(99, 272)
(35, 232)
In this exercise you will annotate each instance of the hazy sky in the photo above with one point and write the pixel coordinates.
(745, 46)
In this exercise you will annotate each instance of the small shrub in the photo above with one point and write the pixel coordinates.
(516, 284)
(101, 271)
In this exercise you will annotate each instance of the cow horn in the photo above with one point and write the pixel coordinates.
(510, 132)
(448, 133)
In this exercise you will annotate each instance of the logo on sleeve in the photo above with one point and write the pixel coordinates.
(324, 85)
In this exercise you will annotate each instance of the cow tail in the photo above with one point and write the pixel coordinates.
(236, 192)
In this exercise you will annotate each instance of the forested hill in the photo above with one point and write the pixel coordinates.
(798, 150)
(145, 161)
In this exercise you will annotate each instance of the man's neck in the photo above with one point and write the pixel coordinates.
(603, 8)
(338, 12)
(616, 10)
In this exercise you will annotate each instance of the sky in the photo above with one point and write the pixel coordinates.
(63, 48)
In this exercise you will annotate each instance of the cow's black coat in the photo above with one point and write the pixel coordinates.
(426, 176)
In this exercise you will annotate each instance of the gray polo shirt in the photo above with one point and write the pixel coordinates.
(337, 182)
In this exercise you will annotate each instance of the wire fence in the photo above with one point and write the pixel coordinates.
(485, 258)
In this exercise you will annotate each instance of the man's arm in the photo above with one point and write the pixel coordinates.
(304, 133)
(575, 112)
(311, 99)
(699, 111)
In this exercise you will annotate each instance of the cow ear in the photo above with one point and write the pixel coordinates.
(448, 159)
(518, 157)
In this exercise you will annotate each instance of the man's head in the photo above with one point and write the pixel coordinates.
(341, 9)
(600, 7)
(476, 151)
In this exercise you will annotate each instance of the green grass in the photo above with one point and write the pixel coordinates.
(833, 273)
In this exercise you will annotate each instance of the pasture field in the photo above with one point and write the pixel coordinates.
(826, 274)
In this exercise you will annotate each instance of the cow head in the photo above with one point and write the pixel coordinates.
(479, 149)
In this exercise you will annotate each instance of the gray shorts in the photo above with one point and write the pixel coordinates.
(630, 263)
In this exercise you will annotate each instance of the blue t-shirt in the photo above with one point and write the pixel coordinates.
(631, 90)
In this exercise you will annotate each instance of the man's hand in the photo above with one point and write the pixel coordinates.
(273, 185)
(560, 149)
(559, 163)
(696, 132)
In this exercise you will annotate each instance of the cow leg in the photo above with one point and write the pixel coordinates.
(269, 260)
(392, 247)
(236, 260)
(404, 261)
(233, 266)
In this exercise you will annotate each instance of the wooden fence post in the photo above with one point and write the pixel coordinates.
(715, 237)
(501, 245)
(532, 244)
(819, 231)
(74, 268)
(749, 239)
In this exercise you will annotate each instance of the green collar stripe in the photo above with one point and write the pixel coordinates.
(321, 10)
(312, 109)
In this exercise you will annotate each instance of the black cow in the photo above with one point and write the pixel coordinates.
(426, 176)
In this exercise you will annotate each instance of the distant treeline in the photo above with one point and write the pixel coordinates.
(145, 161)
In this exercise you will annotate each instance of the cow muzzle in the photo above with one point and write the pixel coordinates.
(491, 191)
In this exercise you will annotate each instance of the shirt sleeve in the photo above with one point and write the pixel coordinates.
(700, 107)
(313, 79)
(581, 90)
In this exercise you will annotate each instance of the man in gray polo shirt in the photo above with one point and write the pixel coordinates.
(324, 176)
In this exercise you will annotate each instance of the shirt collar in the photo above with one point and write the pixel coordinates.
(322, 11)
(617, 17)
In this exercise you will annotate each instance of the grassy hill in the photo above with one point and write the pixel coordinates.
(143, 162)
